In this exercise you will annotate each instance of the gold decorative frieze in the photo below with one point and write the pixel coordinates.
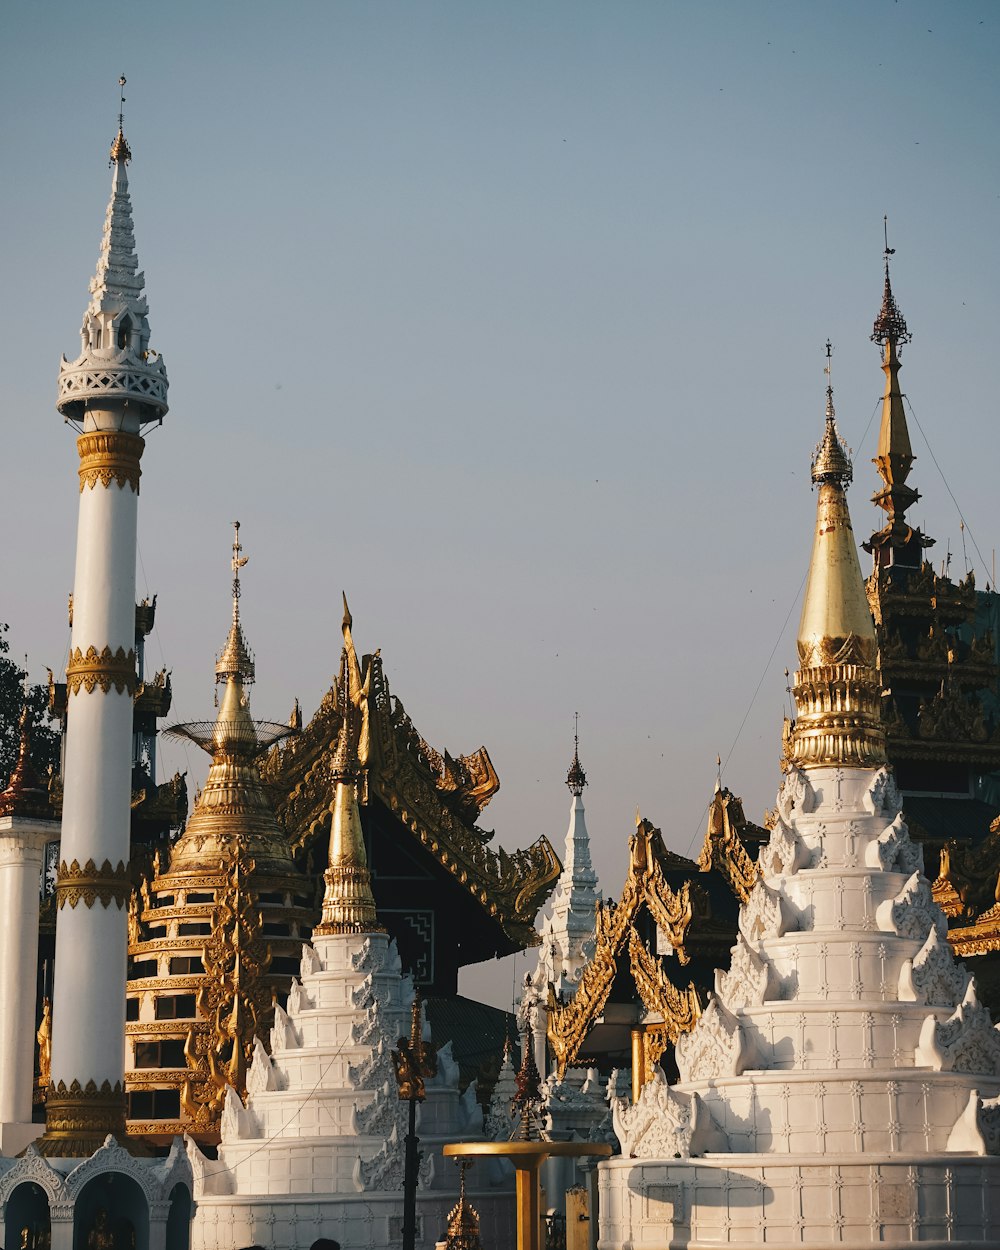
(647, 888)
(92, 883)
(79, 1117)
(110, 456)
(105, 668)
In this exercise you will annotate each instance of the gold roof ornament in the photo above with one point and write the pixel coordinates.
(837, 690)
(463, 1220)
(576, 778)
(120, 150)
(236, 660)
(646, 887)
(723, 848)
(348, 902)
(895, 454)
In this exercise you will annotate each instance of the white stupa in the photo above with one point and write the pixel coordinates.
(840, 1087)
(318, 1149)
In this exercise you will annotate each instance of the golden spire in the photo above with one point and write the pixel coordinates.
(576, 778)
(895, 454)
(348, 902)
(234, 732)
(837, 691)
(121, 153)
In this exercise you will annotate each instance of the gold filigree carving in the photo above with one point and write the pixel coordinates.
(510, 887)
(92, 883)
(647, 888)
(105, 668)
(680, 1009)
(79, 1117)
(236, 1000)
(110, 456)
(723, 848)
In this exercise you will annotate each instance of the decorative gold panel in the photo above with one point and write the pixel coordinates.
(104, 668)
(110, 456)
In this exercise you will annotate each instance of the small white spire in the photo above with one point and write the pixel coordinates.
(116, 361)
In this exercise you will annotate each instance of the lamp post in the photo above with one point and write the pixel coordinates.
(415, 1060)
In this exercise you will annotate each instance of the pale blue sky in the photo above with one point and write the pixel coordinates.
(509, 319)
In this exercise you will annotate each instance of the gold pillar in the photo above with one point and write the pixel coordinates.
(638, 1061)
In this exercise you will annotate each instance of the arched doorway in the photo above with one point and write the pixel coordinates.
(113, 1206)
(26, 1222)
(179, 1219)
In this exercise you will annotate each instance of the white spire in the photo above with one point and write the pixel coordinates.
(567, 934)
(115, 358)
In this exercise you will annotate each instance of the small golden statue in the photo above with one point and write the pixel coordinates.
(44, 1039)
(100, 1236)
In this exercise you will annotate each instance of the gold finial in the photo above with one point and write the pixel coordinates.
(236, 660)
(348, 902)
(121, 153)
(830, 461)
(895, 453)
(890, 325)
(836, 689)
(576, 778)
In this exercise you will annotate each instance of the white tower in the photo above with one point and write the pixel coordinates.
(26, 825)
(567, 936)
(117, 386)
(841, 1087)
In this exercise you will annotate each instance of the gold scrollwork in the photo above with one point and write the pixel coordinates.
(79, 1117)
(91, 883)
(110, 456)
(105, 668)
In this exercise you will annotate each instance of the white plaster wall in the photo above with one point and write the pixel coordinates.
(20, 872)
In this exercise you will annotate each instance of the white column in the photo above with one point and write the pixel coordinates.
(22, 847)
(88, 1010)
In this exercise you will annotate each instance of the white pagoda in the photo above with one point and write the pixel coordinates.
(841, 1086)
(317, 1151)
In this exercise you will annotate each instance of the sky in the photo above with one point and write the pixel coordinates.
(509, 320)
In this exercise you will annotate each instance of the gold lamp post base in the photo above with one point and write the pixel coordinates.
(527, 1158)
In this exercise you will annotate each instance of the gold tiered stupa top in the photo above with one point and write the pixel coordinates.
(837, 690)
(348, 902)
(218, 931)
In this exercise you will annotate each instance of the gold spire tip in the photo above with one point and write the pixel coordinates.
(121, 153)
(348, 619)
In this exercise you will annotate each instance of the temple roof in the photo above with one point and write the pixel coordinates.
(436, 796)
(26, 794)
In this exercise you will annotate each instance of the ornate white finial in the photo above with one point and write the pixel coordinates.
(116, 362)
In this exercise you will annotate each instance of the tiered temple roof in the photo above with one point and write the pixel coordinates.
(441, 890)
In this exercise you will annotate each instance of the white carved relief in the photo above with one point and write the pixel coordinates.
(764, 914)
(373, 1072)
(934, 977)
(785, 852)
(966, 1042)
(895, 851)
(795, 792)
(32, 1167)
(664, 1124)
(913, 912)
(283, 1034)
(969, 1136)
(262, 1076)
(379, 1117)
(882, 797)
(298, 999)
(750, 980)
(236, 1123)
(309, 963)
(715, 1047)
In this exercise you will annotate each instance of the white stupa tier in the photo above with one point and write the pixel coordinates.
(841, 1086)
(838, 1087)
(318, 1149)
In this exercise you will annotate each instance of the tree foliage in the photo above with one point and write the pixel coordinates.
(44, 739)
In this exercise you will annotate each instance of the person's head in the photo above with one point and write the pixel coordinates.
(325, 1243)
